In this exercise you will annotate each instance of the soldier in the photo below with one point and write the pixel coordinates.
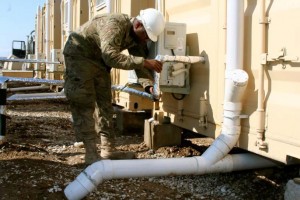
(90, 53)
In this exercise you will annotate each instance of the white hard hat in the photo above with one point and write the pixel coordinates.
(153, 22)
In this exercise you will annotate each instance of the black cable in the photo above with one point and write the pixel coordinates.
(182, 96)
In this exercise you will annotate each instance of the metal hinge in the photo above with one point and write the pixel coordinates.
(280, 56)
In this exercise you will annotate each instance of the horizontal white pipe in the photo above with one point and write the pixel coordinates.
(4, 79)
(183, 59)
(37, 96)
(96, 173)
(28, 61)
(178, 66)
(30, 88)
(177, 72)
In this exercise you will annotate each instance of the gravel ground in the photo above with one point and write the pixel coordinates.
(39, 159)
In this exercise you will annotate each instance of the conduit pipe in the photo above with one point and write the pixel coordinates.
(261, 93)
(131, 91)
(215, 158)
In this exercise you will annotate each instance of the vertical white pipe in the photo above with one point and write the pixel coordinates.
(70, 17)
(235, 33)
(110, 6)
(261, 93)
(235, 83)
(37, 35)
(156, 89)
(90, 10)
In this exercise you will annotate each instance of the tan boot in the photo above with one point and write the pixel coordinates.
(117, 155)
(91, 154)
(108, 151)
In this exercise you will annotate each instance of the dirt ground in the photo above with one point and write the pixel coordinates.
(39, 159)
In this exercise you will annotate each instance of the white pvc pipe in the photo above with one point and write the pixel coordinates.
(236, 81)
(109, 6)
(96, 173)
(90, 10)
(70, 17)
(37, 35)
(29, 88)
(235, 33)
(235, 84)
(181, 59)
(29, 61)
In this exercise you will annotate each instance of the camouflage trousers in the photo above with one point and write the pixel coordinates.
(88, 89)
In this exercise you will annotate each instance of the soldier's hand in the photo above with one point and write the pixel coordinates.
(153, 65)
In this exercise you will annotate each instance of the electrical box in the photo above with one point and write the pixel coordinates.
(174, 76)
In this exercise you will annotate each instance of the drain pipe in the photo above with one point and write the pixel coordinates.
(96, 173)
(235, 83)
(214, 159)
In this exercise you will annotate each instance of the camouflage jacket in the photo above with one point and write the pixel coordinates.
(103, 39)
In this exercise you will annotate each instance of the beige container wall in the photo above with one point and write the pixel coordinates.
(39, 30)
(282, 83)
(80, 12)
(56, 25)
(80, 15)
(206, 37)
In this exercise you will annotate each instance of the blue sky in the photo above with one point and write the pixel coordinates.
(17, 20)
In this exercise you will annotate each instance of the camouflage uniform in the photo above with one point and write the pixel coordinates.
(90, 52)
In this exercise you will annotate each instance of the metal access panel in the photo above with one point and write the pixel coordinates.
(174, 77)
